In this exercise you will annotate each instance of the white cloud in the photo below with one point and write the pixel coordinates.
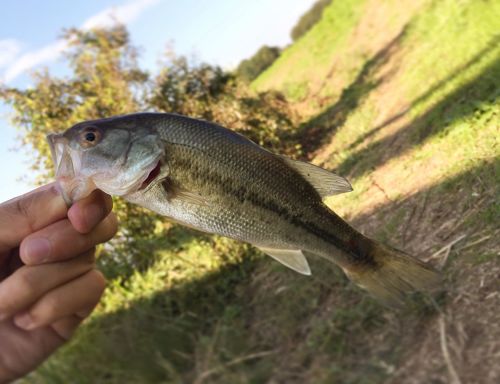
(9, 49)
(16, 65)
(124, 14)
(32, 59)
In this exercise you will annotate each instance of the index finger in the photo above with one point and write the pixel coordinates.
(85, 214)
(28, 213)
(35, 210)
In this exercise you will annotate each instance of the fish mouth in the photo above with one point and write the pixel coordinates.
(72, 186)
(63, 165)
(60, 158)
(153, 174)
(75, 183)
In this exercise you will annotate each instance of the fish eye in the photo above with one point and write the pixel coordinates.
(89, 137)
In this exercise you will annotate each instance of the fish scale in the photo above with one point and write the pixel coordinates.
(224, 213)
(213, 179)
(283, 202)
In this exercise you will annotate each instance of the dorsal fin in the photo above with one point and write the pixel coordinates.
(292, 258)
(325, 182)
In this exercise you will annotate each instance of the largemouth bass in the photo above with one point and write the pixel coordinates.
(210, 178)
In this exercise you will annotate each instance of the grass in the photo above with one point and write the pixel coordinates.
(291, 73)
(410, 114)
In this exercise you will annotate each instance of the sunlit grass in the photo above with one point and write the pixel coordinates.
(305, 63)
(214, 308)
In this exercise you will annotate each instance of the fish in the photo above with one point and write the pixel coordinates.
(213, 179)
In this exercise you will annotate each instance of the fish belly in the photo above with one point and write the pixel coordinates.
(240, 221)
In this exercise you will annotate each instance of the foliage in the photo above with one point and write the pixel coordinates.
(207, 92)
(104, 73)
(106, 81)
(250, 68)
(308, 19)
(304, 67)
(415, 128)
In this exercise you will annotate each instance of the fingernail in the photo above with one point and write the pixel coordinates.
(36, 250)
(24, 321)
(94, 213)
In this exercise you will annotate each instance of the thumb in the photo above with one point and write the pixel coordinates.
(28, 213)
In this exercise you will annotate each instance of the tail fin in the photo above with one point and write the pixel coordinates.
(393, 275)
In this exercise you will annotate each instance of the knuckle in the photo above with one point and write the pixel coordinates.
(107, 229)
(63, 240)
(47, 309)
(98, 280)
(83, 243)
(113, 223)
(22, 287)
(26, 283)
(22, 208)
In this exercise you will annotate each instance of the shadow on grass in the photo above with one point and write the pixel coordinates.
(141, 252)
(433, 217)
(318, 130)
(211, 324)
(156, 338)
(492, 45)
(465, 101)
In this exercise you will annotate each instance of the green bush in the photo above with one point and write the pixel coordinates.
(308, 19)
(105, 81)
(207, 92)
(249, 69)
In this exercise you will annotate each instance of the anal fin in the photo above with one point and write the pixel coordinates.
(292, 258)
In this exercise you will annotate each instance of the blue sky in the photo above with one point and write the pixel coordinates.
(218, 31)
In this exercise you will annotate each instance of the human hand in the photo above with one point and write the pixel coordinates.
(48, 283)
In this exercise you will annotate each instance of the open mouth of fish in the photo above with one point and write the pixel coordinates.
(66, 169)
(75, 184)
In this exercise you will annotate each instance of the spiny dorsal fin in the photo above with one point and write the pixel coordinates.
(325, 182)
(292, 258)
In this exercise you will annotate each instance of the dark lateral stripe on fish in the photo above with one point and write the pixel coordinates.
(210, 175)
(220, 182)
(361, 256)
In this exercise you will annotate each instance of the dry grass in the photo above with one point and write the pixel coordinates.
(410, 115)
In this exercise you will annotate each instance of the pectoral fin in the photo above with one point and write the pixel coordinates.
(325, 182)
(191, 197)
(173, 191)
(292, 258)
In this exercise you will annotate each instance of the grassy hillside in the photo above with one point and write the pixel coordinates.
(403, 98)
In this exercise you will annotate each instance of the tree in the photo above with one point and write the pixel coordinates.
(308, 19)
(250, 68)
(207, 92)
(105, 81)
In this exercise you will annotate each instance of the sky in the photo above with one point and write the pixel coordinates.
(220, 32)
